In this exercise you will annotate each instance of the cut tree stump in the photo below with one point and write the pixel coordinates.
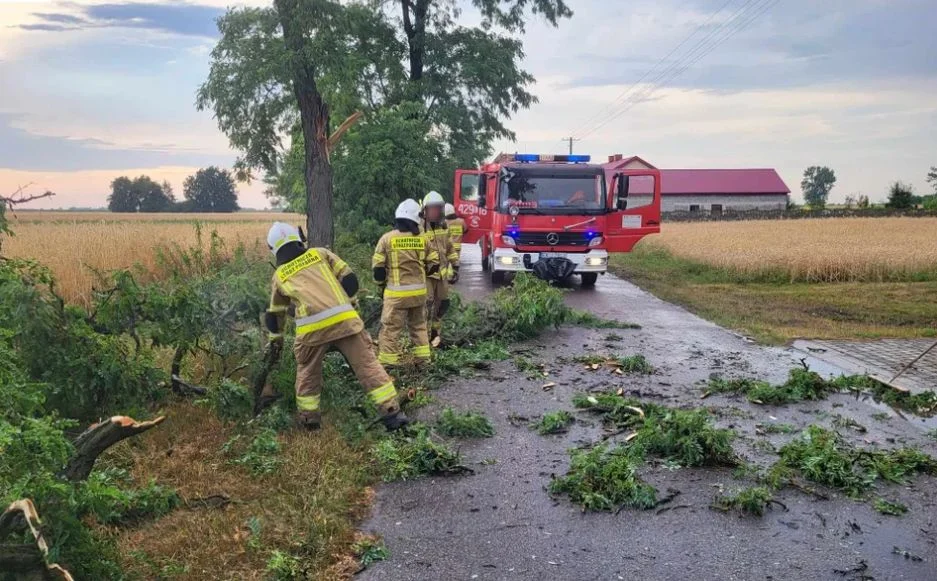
(28, 561)
(98, 438)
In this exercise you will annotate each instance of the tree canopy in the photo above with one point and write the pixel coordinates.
(900, 196)
(210, 190)
(407, 64)
(816, 185)
(141, 194)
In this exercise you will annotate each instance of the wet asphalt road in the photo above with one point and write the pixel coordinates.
(500, 523)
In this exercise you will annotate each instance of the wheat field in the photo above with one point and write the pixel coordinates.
(816, 250)
(75, 244)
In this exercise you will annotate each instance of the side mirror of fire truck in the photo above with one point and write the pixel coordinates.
(482, 191)
(621, 192)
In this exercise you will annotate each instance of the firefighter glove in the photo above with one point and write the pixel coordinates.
(454, 278)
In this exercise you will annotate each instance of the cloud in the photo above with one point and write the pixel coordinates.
(30, 152)
(177, 18)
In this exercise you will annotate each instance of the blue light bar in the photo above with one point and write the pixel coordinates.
(532, 157)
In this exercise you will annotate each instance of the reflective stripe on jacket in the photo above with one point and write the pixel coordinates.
(324, 312)
(405, 258)
(456, 232)
(437, 236)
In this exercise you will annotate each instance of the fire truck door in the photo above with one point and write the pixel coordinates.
(634, 199)
(477, 218)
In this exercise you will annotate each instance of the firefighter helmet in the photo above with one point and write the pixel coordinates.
(281, 234)
(450, 210)
(433, 198)
(408, 209)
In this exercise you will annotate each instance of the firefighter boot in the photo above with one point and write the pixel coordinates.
(310, 421)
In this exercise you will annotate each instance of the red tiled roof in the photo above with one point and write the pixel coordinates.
(712, 181)
(721, 181)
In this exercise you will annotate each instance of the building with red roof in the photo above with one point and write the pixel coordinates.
(713, 190)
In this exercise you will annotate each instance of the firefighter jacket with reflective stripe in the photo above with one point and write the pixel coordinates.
(406, 258)
(456, 231)
(437, 238)
(310, 283)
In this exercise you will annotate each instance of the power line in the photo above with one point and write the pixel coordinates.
(701, 46)
(740, 20)
(597, 116)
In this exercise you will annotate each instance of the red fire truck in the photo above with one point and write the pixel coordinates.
(555, 215)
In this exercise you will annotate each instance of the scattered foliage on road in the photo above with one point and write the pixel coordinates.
(617, 363)
(412, 452)
(553, 423)
(467, 424)
(753, 500)
(893, 508)
(605, 479)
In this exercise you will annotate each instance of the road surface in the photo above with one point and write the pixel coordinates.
(500, 523)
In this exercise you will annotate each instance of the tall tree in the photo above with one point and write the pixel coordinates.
(460, 87)
(211, 190)
(816, 185)
(123, 196)
(900, 196)
(932, 178)
(151, 196)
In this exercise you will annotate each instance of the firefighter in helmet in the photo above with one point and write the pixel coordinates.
(437, 237)
(318, 285)
(456, 228)
(401, 262)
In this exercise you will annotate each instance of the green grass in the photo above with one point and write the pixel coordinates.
(554, 423)
(753, 501)
(605, 479)
(464, 425)
(772, 310)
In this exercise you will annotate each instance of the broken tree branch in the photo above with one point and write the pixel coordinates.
(27, 560)
(98, 438)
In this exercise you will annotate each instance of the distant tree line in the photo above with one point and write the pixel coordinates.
(819, 181)
(210, 190)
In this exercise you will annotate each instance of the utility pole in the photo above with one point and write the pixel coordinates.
(570, 140)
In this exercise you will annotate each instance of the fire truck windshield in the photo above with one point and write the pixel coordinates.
(552, 192)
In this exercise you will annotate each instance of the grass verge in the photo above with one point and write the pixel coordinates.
(777, 311)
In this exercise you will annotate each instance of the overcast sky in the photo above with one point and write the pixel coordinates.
(90, 91)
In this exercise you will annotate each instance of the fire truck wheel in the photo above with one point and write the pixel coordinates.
(497, 277)
(589, 278)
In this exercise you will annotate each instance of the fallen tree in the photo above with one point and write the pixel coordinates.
(30, 560)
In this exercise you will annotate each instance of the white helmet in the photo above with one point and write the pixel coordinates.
(450, 210)
(433, 198)
(280, 234)
(408, 209)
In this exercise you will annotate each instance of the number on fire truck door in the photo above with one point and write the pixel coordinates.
(631, 221)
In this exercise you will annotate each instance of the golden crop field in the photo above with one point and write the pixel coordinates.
(815, 250)
(73, 244)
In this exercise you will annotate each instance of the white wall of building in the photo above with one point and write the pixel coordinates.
(678, 203)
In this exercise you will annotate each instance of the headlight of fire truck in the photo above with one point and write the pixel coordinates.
(597, 261)
(508, 240)
(596, 241)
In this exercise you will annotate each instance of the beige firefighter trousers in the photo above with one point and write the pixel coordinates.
(437, 292)
(357, 351)
(395, 321)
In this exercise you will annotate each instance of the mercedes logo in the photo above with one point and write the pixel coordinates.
(553, 238)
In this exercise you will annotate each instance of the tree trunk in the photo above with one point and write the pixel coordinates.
(98, 438)
(27, 561)
(314, 116)
(414, 25)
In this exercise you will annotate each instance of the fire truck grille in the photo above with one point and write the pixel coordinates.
(559, 238)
